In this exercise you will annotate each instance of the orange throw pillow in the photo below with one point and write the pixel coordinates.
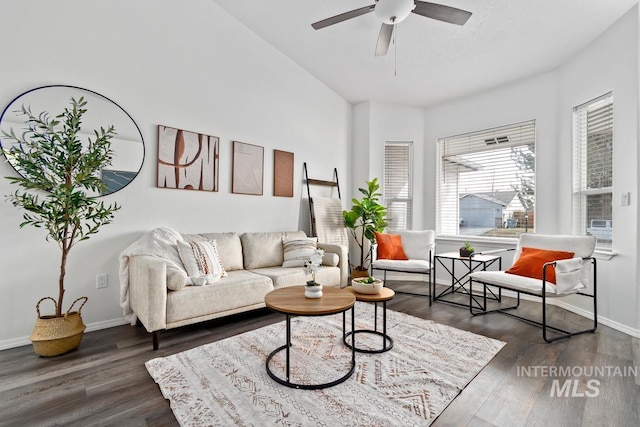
(390, 247)
(531, 260)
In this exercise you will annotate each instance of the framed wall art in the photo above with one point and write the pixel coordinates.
(248, 165)
(282, 173)
(187, 160)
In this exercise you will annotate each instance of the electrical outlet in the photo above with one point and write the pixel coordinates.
(625, 199)
(101, 281)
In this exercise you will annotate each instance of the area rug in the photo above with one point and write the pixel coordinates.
(225, 383)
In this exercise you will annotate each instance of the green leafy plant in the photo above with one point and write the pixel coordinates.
(369, 279)
(466, 249)
(58, 175)
(365, 218)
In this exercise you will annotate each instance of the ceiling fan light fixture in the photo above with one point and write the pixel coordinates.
(393, 11)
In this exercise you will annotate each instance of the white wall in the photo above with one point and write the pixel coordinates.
(375, 123)
(193, 68)
(609, 63)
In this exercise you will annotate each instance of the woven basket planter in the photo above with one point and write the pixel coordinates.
(53, 336)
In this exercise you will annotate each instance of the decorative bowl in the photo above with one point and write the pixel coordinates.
(361, 287)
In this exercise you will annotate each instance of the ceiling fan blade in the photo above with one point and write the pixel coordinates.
(442, 12)
(384, 39)
(343, 17)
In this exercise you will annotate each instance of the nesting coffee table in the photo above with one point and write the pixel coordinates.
(291, 302)
(383, 296)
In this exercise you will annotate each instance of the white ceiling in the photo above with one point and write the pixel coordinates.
(503, 41)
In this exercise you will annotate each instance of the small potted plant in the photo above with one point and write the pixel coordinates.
(466, 250)
(313, 289)
(367, 285)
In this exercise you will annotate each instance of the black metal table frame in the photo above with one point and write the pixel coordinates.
(472, 265)
(287, 382)
(383, 334)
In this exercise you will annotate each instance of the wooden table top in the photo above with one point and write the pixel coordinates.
(385, 294)
(291, 300)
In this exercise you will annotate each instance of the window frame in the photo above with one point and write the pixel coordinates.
(406, 200)
(580, 172)
(493, 139)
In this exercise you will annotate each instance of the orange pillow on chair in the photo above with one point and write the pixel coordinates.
(390, 247)
(531, 260)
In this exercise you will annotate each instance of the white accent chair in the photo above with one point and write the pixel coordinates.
(573, 282)
(419, 246)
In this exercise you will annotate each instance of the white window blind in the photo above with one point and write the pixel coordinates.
(593, 170)
(398, 187)
(486, 182)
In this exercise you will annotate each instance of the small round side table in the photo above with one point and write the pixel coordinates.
(383, 296)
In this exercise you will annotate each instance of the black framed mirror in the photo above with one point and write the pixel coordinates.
(128, 144)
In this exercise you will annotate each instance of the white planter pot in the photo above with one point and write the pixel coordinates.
(314, 291)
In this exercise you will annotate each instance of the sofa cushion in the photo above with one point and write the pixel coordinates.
(297, 252)
(239, 289)
(265, 249)
(517, 283)
(229, 248)
(412, 265)
(283, 277)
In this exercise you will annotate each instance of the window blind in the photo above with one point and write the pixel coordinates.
(398, 184)
(486, 182)
(593, 170)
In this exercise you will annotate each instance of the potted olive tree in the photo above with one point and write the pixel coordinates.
(59, 174)
(365, 218)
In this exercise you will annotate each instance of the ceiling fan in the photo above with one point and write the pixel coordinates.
(392, 12)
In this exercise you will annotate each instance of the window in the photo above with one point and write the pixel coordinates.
(398, 188)
(593, 170)
(486, 182)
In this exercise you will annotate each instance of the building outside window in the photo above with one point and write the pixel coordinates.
(593, 170)
(486, 182)
(398, 184)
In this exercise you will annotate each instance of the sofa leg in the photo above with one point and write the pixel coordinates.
(155, 335)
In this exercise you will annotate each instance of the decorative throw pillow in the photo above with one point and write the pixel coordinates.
(297, 251)
(176, 278)
(531, 260)
(332, 260)
(390, 247)
(201, 259)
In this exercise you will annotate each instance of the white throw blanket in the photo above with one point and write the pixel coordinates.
(569, 275)
(160, 243)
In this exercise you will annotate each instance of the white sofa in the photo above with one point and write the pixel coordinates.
(253, 264)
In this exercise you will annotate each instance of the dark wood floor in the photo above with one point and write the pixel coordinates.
(105, 382)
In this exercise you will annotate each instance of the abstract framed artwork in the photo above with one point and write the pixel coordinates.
(282, 173)
(187, 160)
(248, 165)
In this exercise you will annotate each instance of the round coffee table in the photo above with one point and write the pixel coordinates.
(383, 296)
(292, 302)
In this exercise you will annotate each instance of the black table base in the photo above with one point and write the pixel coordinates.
(387, 341)
(287, 381)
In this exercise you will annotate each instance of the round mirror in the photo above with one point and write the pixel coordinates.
(127, 145)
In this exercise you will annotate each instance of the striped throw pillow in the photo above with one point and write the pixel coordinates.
(298, 251)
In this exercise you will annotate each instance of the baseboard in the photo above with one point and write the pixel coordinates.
(20, 341)
(572, 308)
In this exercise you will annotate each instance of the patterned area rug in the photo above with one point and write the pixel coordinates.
(225, 382)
